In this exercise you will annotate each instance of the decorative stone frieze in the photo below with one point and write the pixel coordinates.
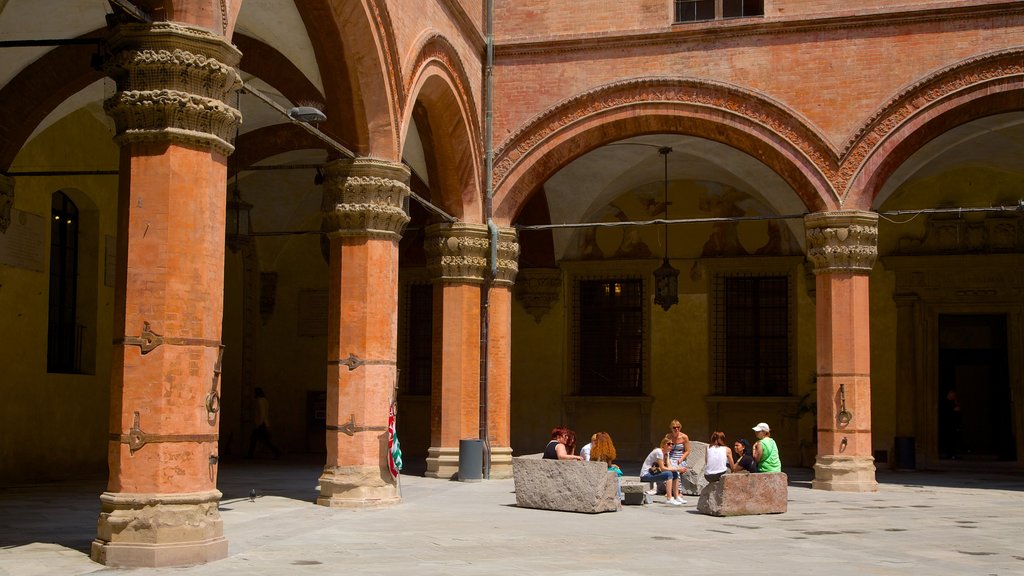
(365, 197)
(457, 252)
(538, 289)
(6, 201)
(173, 82)
(508, 257)
(842, 241)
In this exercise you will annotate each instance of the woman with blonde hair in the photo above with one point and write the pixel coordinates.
(680, 445)
(659, 468)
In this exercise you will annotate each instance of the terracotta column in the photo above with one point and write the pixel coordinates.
(174, 128)
(457, 261)
(499, 355)
(843, 246)
(364, 216)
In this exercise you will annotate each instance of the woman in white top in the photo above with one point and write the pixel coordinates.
(718, 458)
(659, 468)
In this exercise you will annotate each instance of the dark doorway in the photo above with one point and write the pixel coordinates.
(975, 416)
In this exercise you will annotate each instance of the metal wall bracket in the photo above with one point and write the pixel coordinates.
(136, 438)
(350, 428)
(354, 362)
(147, 341)
(213, 398)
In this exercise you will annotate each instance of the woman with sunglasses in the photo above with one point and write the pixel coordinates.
(680, 446)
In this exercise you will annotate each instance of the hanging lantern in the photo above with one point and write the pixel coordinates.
(237, 227)
(666, 285)
(666, 278)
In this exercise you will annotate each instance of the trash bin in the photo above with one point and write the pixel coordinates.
(906, 456)
(471, 460)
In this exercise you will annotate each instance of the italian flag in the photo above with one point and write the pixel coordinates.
(394, 448)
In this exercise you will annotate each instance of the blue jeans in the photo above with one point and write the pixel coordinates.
(660, 476)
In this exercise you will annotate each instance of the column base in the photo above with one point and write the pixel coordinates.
(443, 462)
(357, 487)
(152, 530)
(845, 474)
(501, 462)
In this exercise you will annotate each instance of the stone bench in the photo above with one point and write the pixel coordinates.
(566, 485)
(742, 493)
(634, 493)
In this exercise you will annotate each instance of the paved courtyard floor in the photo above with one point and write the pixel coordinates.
(917, 523)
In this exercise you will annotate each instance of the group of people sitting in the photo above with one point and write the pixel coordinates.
(668, 461)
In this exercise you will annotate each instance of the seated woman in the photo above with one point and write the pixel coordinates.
(743, 460)
(718, 458)
(555, 450)
(604, 451)
(658, 468)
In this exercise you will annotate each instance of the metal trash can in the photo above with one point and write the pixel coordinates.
(471, 460)
(906, 455)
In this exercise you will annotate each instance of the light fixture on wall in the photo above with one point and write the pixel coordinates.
(666, 278)
(237, 229)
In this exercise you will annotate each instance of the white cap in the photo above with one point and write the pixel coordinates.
(762, 427)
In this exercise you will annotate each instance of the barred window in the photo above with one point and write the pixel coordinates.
(742, 8)
(64, 341)
(610, 337)
(751, 335)
(695, 10)
(702, 10)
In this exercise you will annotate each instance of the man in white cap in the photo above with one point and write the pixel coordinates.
(766, 452)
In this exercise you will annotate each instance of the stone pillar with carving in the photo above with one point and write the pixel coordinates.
(843, 246)
(174, 129)
(499, 355)
(364, 218)
(457, 262)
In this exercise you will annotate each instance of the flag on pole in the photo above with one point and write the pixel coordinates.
(394, 448)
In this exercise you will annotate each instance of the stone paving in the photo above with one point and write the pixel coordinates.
(917, 523)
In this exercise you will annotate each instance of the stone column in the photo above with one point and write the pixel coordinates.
(457, 261)
(843, 246)
(364, 217)
(499, 355)
(174, 128)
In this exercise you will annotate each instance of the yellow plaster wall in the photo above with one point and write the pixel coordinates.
(55, 425)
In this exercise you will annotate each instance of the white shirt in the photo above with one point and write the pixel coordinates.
(656, 455)
(585, 451)
(717, 460)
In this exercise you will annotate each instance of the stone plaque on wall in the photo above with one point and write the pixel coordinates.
(23, 245)
(312, 313)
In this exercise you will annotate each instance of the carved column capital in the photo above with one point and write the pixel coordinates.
(6, 201)
(508, 257)
(842, 241)
(365, 197)
(457, 252)
(173, 82)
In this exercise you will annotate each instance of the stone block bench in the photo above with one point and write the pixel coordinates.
(634, 492)
(566, 485)
(741, 493)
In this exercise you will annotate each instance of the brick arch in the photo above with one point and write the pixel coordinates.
(355, 48)
(968, 90)
(218, 15)
(717, 111)
(439, 84)
(38, 89)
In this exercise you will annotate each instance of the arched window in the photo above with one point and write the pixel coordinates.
(64, 350)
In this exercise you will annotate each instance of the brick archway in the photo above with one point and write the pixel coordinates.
(439, 85)
(721, 112)
(975, 88)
